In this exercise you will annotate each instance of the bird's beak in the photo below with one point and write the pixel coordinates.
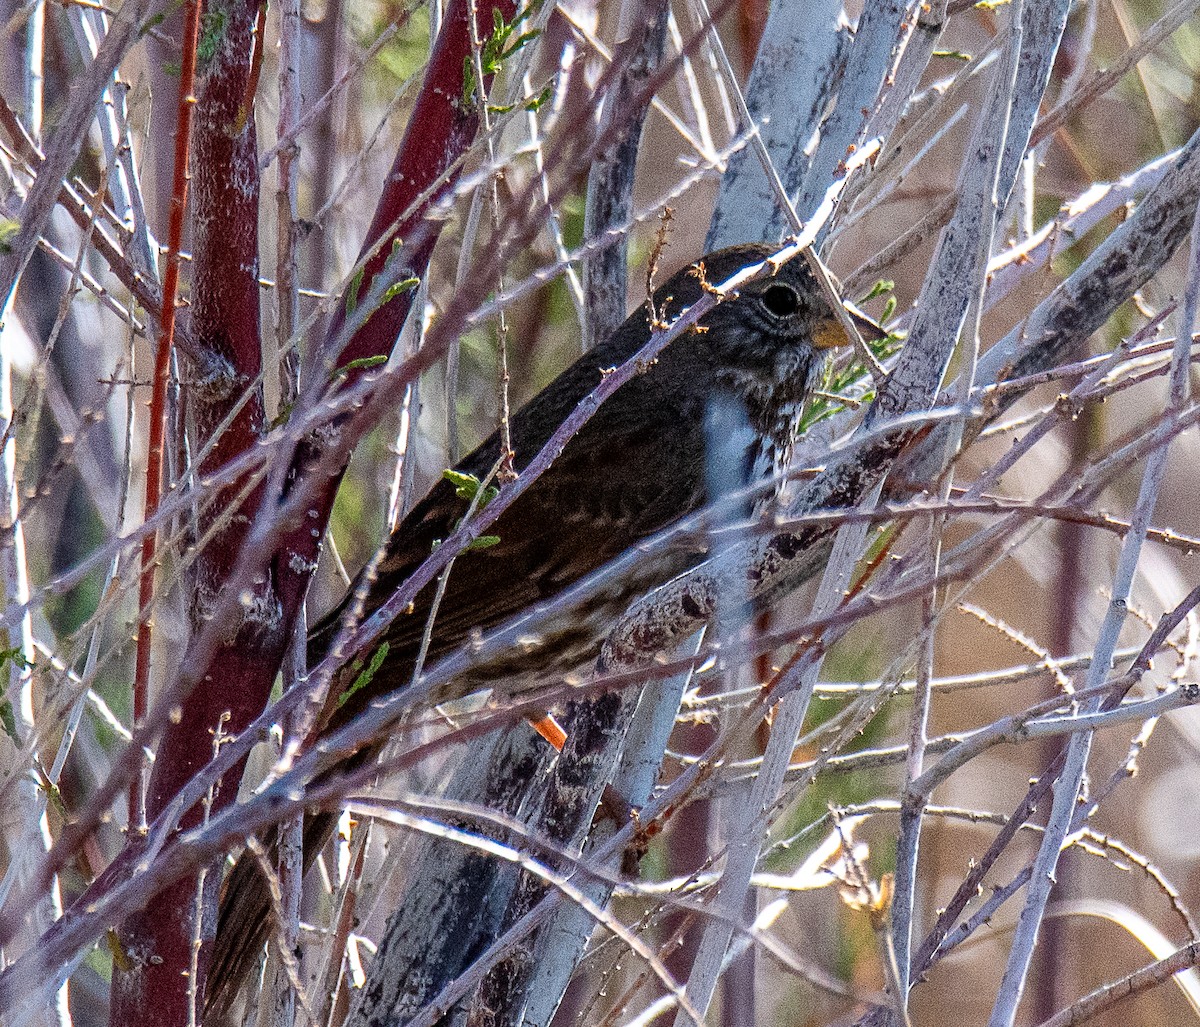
(830, 334)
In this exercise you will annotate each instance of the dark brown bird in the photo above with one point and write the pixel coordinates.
(637, 466)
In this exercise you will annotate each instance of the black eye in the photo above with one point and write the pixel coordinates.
(781, 300)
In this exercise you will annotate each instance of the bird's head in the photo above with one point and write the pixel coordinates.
(764, 344)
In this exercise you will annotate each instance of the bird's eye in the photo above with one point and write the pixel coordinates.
(781, 300)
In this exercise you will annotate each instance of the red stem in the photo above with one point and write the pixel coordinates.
(439, 132)
(158, 395)
(224, 322)
(238, 676)
(247, 105)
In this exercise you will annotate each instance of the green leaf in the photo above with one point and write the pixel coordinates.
(525, 12)
(850, 382)
(882, 286)
(364, 678)
(284, 415)
(521, 41)
(954, 55)
(483, 542)
(8, 719)
(352, 292)
(539, 101)
(496, 49)
(400, 288)
(52, 792)
(9, 227)
(468, 96)
(467, 486)
(16, 656)
(361, 364)
(212, 31)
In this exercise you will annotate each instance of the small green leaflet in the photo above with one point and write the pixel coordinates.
(467, 486)
(352, 292)
(483, 542)
(364, 677)
(8, 719)
(8, 232)
(400, 288)
(361, 364)
(406, 284)
(497, 49)
(285, 413)
(878, 289)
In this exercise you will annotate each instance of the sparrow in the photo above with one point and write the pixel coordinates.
(634, 468)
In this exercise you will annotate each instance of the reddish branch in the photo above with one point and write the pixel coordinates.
(158, 397)
(225, 327)
(224, 323)
(438, 133)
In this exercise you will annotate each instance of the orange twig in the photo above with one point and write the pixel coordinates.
(256, 58)
(158, 396)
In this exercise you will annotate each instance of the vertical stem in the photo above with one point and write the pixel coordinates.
(748, 836)
(403, 476)
(35, 46)
(481, 100)
(1052, 975)
(158, 397)
(279, 998)
(27, 804)
(610, 181)
(988, 145)
(737, 982)
(287, 284)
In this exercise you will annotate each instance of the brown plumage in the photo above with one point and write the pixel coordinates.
(634, 468)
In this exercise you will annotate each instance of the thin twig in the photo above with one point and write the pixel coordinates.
(158, 399)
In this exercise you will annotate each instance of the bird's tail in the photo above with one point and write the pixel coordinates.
(247, 919)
